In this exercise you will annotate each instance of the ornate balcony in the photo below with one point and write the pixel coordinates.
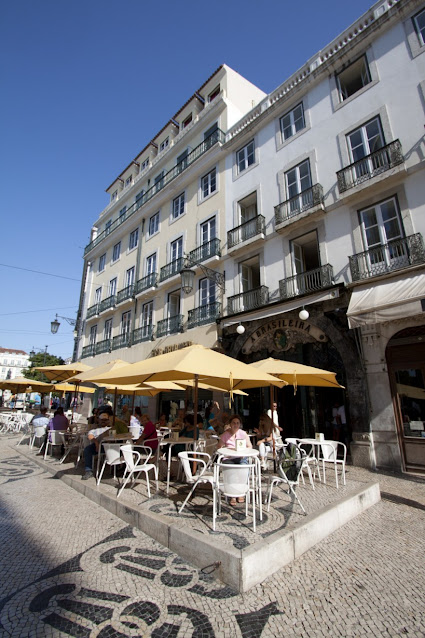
(92, 311)
(252, 228)
(370, 166)
(88, 351)
(301, 203)
(396, 255)
(107, 303)
(146, 282)
(206, 251)
(305, 282)
(204, 314)
(145, 333)
(103, 346)
(248, 300)
(121, 341)
(125, 293)
(171, 269)
(170, 326)
(216, 137)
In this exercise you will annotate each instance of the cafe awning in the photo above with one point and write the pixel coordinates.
(395, 298)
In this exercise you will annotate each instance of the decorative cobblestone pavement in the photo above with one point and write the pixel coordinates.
(70, 568)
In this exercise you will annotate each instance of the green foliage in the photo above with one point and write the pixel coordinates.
(36, 361)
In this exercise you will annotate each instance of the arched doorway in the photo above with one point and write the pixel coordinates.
(405, 356)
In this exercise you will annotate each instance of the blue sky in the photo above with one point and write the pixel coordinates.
(86, 84)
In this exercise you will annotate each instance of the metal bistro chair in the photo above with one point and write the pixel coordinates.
(202, 459)
(233, 481)
(113, 457)
(289, 468)
(135, 465)
(54, 437)
(310, 460)
(38, 432)
(330, 453)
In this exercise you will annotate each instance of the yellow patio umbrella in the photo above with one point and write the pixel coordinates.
(70, 387)
(19, 384)
(206, 386)
(297, 374)
(63, 372)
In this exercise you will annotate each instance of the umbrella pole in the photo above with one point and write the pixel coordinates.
(115, 407)
(132, 403)
(195, 398)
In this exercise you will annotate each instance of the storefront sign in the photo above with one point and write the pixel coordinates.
(282, 334)
(176, 346)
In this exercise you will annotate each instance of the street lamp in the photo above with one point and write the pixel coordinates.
(303, 314)
(32, 353)
(54, 325)
(188, 276)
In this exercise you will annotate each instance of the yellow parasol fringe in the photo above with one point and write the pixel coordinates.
(295, 383)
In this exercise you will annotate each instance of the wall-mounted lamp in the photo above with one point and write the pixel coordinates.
(188, 276)
(240, 329)
(303, 314)
(54, 325)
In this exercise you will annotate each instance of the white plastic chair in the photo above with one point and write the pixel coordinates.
(234, 481)
(113, 457)
(38, 432)
(55, 437)
(329, 452)
(205, 475)
(135, 464)
(290, 469)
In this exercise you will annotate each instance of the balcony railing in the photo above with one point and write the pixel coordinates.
(125, 293)
(248, 300)
(103, 346)
(107, 303)
(294, 206)
(251, 228)
(88, 351)
(216, 137)
(92, 311)
(305, 282)
(146, 282)
(207, 250)
(204, 314)
(121, 341)
(170, 326)
(396, 255)
(145, 333)
(173, 268)
(370, 166)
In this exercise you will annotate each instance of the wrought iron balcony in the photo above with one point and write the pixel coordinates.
(170, 326)
(302, 202)
(305, 282)
(248, 230)
(216, 137)
(173, 268)
(88, 351)
(92, 311)
(207, 250)
(145, 333)
(203, 314)
(370, 166)
(121, 341)
(125, 293)
(248, 300)
(103, 346)
(146, 282)
(107, 303)
(396, 255)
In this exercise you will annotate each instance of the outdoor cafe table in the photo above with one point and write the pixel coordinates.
(251, 453)
(316, 445)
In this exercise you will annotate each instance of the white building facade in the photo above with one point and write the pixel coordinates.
(12, 362)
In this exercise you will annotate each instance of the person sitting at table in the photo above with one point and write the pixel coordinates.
(163, 421)
(125, 414)
(138, 413)
(228, 439)
(93, 420)
(149, 435)
(95, 437)
(264, 438)
(178, 423)
(59, 421)
(189, 431)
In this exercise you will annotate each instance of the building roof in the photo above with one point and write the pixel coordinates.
(11, 351)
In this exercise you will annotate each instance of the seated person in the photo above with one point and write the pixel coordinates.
(189, 431)
(220, 422)
(149, 435)
(59, 421)
(178, 423)
(163, 421)
(95, 437)
(93, 420)
(264, 438)
(125, 415)
(228, 439)
(40, 419)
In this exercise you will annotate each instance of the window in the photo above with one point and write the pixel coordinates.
(419, 22)
(147, 318)
(178, 206)
(211, 134)
(173, 305)
(126, 323)
(176, 249)
(107, 332)
(214, 93)
(134, 239)
(298, 187)
(93, 335)
(248, 208)
(129, 277)
(245, 156)
(305, 262)
(102, 262)
(128, 181)
(139, 198)
(380, 225)
(116, 251)
(292, 122)
(114, 196)
(108, 227)
(187, 121)
(363, 144)
(207, 292)
(145, 164)
(208, 231)
(164, 144)
(151, 264)
(209, 183)
(154, 224)
(181, 162)
(112, 287)
(98, 295)
(159, 183)
(353, 78)
(122, 213)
